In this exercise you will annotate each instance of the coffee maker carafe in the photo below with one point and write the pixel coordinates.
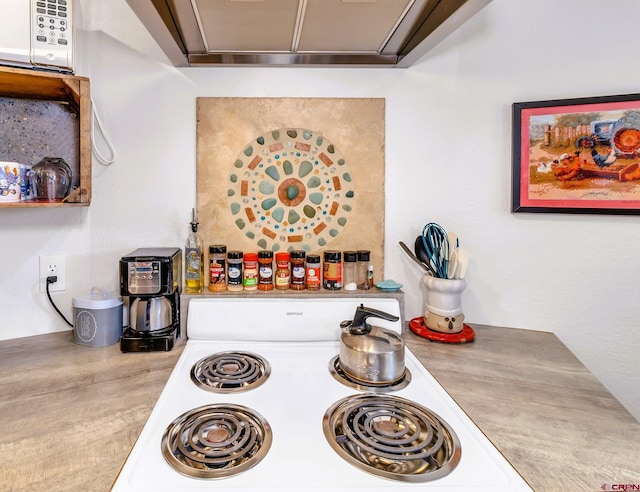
(150, 287)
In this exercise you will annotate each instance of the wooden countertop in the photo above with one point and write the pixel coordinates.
(70, 414)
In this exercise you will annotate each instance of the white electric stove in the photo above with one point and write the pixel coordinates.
(282, 418)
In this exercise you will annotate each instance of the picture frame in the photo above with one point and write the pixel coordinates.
(577, 156)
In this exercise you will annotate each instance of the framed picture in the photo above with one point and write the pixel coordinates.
(577, 155)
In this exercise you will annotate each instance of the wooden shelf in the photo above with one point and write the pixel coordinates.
(50, 87)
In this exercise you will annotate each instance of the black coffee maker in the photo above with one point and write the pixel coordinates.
(150, 280)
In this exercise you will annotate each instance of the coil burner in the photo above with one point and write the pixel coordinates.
(339, 374)
(230, 372)
(391, 437)
(216, 441)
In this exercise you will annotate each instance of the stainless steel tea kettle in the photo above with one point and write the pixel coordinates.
(150, 314)
(371, 353)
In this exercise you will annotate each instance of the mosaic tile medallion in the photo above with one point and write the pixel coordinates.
(290, 188)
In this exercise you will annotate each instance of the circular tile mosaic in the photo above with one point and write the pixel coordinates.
(290, 189)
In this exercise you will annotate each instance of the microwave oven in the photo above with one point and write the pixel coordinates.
(37, 34)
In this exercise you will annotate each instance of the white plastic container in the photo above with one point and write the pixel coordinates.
(97, 318)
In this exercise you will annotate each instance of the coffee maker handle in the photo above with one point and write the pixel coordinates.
(141, 315)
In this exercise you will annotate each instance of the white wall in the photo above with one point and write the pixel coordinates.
(448, 159)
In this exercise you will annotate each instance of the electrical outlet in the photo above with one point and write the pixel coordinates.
(53, 266)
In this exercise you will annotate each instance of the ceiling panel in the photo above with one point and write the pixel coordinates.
(248, 25)
(349, 25)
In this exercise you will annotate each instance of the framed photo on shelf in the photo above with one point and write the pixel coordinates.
(577, 155)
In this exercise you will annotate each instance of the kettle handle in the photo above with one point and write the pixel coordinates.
(359, 325)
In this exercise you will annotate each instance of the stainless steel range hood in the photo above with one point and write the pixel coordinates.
(371, 33)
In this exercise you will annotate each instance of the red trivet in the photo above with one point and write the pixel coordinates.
(418, 327)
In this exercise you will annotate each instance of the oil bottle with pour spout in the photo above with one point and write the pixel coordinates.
(371, 354)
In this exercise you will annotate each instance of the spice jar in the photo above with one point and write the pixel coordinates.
(312, 272)
(283, 271)
(234, 271)
(349, 270)
(217, 275)
(364, 269)
(250, 274)
(297, 270)
(332, 270)
(265, 270)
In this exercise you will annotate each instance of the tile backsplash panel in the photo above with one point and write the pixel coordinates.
(292, 173)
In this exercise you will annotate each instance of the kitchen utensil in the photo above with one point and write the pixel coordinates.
(421, 254)
(410, 254)
(436, 245)
(97, 318)
(453, 263)
(370, 353)
(454, 243)
(463, 262)
(51, 179)
(453, 239)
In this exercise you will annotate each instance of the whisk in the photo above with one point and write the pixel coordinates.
(436, 245)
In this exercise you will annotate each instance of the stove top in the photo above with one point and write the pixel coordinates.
(342, 376)
(392, 437)
(230, 372)
(216, 441)
(290, 430)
